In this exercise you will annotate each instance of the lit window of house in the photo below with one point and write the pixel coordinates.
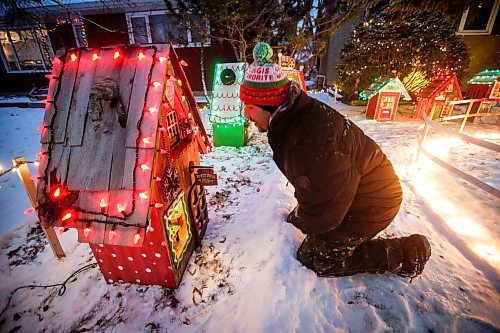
(173, 128)
(25, 49)
(159, 27)
(479, 18)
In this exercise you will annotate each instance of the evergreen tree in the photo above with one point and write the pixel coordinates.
(297, 27)
(417, 46)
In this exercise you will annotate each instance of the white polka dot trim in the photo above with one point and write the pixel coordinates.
(130, 259)
(148, 270)
(120, 268)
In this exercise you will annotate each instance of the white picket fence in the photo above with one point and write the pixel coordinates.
(434, 125)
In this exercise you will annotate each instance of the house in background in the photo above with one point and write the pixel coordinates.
(479, 26)
(29, 41)
(480, 30)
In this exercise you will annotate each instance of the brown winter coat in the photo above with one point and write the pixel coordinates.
(342, 178)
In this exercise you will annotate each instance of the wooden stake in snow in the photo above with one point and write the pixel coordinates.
(25, 176)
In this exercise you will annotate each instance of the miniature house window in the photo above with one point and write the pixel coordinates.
(159, 27)
(26, 49)
(387, 101)
(79, 33)
(173, 128)
(177, 227)
(479, 18)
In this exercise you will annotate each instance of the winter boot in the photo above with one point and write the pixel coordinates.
(416, 252)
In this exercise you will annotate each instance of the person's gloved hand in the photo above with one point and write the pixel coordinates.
(292, 217)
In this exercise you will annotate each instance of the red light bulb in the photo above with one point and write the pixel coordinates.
(73, 57)
(95, 57)
(30, 210)
(86, 231)
(141, 56)
(121, 207)
(103, 203)
(116, 55)
(136, 238)
(66, 216)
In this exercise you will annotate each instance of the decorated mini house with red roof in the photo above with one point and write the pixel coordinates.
(383, 97)
(120, 130)
(482, 84)
(287, 64)
(434, 97)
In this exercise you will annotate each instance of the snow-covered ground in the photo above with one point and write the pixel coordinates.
(245, 277)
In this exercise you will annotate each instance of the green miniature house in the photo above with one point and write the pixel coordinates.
(229, 126)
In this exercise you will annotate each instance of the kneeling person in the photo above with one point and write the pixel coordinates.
(346, 188)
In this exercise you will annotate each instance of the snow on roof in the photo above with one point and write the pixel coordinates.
(485, 77)
(437, 84)
(385, 82)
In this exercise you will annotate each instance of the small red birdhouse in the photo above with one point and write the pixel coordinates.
(383, 105)
(383, 97)
(123, 129)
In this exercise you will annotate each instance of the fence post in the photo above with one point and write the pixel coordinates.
(335, 98)
(424, 134)
(466, 116)
(25, 176)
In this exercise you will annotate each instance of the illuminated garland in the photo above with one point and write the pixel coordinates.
(67, 214)
(485, 77)
(76, 20)
(15, 167)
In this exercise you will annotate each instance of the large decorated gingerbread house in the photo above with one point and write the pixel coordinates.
(121, 128)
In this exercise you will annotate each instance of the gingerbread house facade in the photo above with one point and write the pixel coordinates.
(434, 97)
(121, 128)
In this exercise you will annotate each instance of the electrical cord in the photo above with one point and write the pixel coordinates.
(3, 172)
(61, 291)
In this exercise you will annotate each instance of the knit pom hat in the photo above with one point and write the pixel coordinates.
(264, 83)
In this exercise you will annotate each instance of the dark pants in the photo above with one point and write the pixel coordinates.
(343, 253)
